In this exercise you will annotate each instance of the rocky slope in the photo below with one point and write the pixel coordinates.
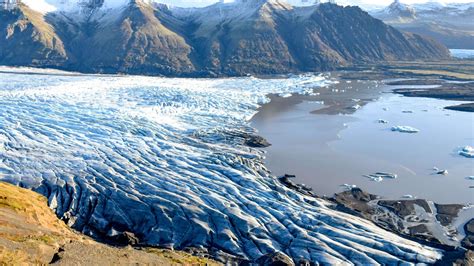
(256, 37)
(30, 233)
(450, 24)
(27, 39)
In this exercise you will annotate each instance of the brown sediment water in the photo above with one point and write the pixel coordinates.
(338, 142)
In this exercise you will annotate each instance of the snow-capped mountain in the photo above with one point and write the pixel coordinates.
(44, 6)
(399, 11)
(245, 36)
(449, 23)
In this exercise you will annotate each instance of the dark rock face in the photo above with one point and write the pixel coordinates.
(414, 218)
(265, 37)
(468, 241)
(126, 238)
(275, 259)
(447, 213)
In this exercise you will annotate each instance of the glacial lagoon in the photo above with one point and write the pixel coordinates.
(326, 151)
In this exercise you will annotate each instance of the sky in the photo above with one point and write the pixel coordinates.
(45, 6)
(355, 2)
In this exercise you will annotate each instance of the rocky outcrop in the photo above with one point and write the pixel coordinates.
(275, 259)
(416, 218)
(469, 231)
(245, 37)
(30, 233)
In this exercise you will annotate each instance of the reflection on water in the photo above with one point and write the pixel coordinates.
(326, 151)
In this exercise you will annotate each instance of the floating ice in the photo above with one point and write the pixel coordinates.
(380, 176)
(356, 107)
(167, 160)
(408, 196)
(470, 177)
(405, 129)
(285, 95)
(442, 172)
(467, 151)
(348, 187)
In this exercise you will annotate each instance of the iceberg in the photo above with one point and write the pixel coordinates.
(348, 187)
(467, 151)
(405, 129)
(380, 176)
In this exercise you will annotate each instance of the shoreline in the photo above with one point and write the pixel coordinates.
(325, 105)
(420, 233)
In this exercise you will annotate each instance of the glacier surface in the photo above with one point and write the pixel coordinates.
(165, 159)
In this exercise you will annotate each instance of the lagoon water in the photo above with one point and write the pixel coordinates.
(462, 53)
(326, 151)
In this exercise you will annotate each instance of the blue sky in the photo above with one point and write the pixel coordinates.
(364, 2)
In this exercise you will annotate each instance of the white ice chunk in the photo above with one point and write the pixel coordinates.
(405, 129)
(467, 151)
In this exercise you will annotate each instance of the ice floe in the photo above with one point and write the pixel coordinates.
(467, 151)
(380, 176)
(159, 157)
(348, 186)
(405, 129)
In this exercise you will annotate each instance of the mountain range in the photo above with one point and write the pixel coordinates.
(244, 37)
(451, 24)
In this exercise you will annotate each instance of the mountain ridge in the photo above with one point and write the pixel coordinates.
(255, 37)
(450, 24)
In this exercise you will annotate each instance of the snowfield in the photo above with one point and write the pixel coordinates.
(165, 158)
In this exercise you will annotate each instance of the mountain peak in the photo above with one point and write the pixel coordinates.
(400, 11)
(247, 36)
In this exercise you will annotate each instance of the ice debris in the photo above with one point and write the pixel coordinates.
(405, 129)
(380, 176)
(348, 187)
(442, 172)
(467, 151)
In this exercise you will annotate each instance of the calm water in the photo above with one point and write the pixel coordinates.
(326, 151)
(462, 53)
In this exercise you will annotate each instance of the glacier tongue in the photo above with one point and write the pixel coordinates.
(154, 156)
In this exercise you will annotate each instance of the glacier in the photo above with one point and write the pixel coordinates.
(166, 159)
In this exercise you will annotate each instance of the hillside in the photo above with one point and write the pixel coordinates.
(245, 37)
(27, 39)
(30, 233)
(450, 24)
